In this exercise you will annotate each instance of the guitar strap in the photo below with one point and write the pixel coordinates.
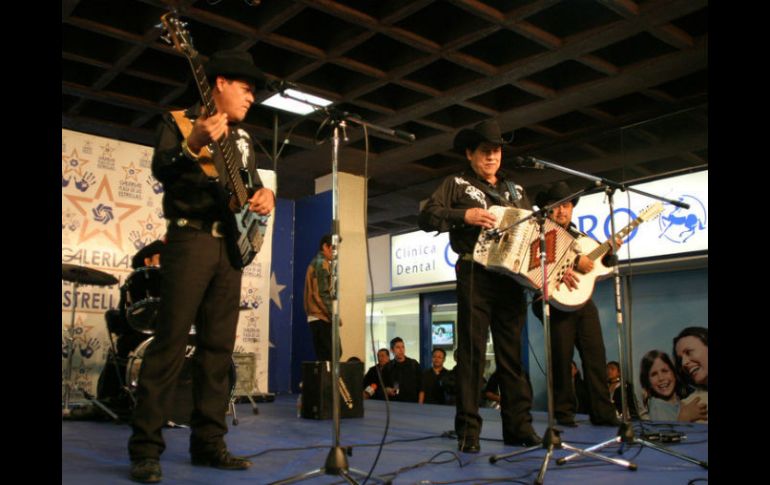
(206, 159)
(497, 196)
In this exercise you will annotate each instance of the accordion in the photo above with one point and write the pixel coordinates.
(515, 251)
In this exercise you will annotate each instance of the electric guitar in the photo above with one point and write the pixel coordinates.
(568, 300)
(244, 230)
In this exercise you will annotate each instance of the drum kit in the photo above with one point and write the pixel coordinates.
(80, 275)
(141, 295)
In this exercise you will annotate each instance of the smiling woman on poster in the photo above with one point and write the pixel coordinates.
(691, 350)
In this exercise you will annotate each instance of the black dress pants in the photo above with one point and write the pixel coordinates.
(583, 330)
(490, 300)
(198, 285)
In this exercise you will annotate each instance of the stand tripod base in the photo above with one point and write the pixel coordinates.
(336, 464)
(551, 441)
(626, 437)
(254, 409)
(67, 412)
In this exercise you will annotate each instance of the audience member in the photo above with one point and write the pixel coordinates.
(402, 375)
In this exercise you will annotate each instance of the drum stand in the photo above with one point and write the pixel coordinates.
(68, 384)
(116, 364)
(551, 438)
(625, 435)
(254, 408)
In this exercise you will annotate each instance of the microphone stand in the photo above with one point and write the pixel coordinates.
(336, 460)
(551, 437)
(69, 385)
(625, 434)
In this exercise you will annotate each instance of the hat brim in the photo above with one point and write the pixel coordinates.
(542, 201)
(467, 138)
(245, 72)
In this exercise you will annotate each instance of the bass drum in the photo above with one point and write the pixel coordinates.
(183, 400)
(142, 290)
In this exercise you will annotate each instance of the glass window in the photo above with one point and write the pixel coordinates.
(444, 330)
(441, 317)
(393, 317)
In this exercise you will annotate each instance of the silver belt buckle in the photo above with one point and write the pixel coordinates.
(216, 229)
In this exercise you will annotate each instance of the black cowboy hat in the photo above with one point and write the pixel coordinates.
(146, 252)
(553, 193)
(486, 131)
(233, 63)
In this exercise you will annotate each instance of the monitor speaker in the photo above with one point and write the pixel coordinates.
(317, 390)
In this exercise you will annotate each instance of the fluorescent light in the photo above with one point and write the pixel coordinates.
(280, 102)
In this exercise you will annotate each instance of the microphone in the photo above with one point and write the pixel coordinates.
(278, 85)
(493, 233)
(404, 135)
(529, 162)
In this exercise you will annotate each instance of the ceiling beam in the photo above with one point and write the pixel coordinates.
(641, 76)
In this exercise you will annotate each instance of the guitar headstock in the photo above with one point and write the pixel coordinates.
(177, 34)
(651, 211)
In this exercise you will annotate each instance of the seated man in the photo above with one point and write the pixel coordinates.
(491, 397)
(581, 391)
(434, 380)
(402, 375)
(110, 388)
(372, 386)
(613, 381)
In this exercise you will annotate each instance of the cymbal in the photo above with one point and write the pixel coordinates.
(86, 276)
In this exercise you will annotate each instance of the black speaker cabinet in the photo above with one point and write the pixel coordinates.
(317, 390)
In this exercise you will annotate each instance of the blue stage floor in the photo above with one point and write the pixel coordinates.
(282, 445)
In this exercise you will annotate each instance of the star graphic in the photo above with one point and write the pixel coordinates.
(107, 150)
(80, 328)
(73, 163)
(111, 230)
(132, 172)
(83, 337)
(149, 227)
(145, 160)
(251, 291)
(275, 291)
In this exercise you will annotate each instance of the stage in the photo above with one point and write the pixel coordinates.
(417, 450)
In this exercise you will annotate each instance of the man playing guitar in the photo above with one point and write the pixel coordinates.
(579, 328)
(200, 276)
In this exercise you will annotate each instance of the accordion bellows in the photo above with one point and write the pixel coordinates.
(513, 248)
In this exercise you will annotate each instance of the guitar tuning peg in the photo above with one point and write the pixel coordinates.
(166, 38)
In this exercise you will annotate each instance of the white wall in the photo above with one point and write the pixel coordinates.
(379, 256)
(352, 261)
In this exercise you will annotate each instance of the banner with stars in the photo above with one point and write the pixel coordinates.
(111, 208)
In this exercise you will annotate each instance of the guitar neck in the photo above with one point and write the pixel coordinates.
(225, 145)
(606, 246)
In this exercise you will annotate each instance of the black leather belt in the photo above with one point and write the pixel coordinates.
(212, 227)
